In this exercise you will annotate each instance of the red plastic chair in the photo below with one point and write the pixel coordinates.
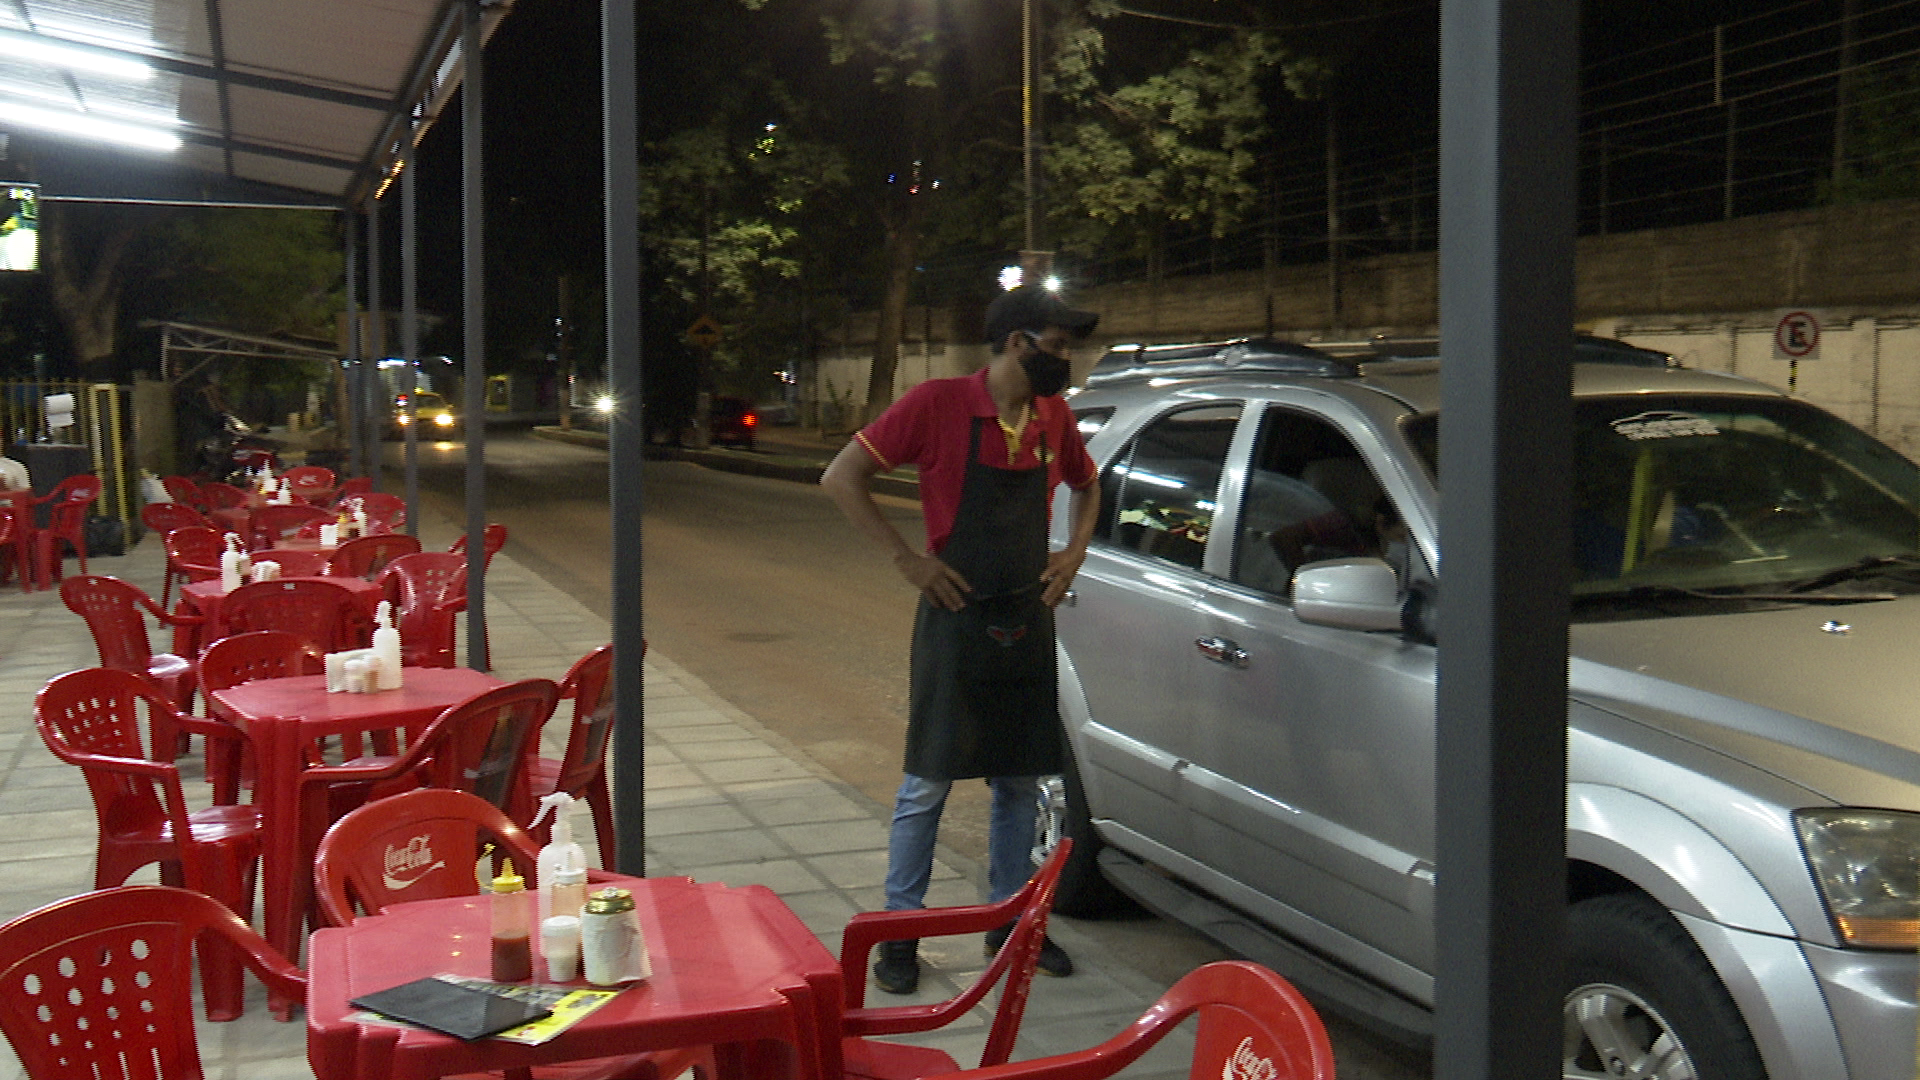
(186, 493)
(312, 483)
(221, 496)
(66, 520)
(165, 517)
(1253, 1023)
(385, 513)
(365, 557)
(441, 832)
(272, 524)
(112, 610)
(352, 488)
(90, 718)
(240, 658)
(296, 563)
(866, 1057)
(427, 589)
(193, 554)
(322, 613)
(581, 772)
(8, 562)
(477, 746)
(492, 539)
(100, 984)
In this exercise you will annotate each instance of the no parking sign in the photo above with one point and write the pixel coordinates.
(1797, 337)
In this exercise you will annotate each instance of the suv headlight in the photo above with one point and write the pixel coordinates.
(1867, 865)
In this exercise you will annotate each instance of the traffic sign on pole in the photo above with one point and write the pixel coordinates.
(705, 332)
(1797, 337)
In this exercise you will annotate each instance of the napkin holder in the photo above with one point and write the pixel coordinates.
(265, 570)
(358, 671)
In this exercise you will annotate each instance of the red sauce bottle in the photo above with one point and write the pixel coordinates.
(512, 922)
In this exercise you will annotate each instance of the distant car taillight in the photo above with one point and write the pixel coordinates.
(749, 420)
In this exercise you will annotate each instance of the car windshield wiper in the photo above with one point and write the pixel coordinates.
(1652, 593)
(1869, 565)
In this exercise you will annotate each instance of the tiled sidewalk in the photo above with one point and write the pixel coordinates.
(727, 800)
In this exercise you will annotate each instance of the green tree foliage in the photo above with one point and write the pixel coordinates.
(1883, 137)
(1176, 147)
(726, 208)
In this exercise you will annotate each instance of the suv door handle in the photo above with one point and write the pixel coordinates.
(1222, 651)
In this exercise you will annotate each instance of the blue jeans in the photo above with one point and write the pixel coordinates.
(916, 818)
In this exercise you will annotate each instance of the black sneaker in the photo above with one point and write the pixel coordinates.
(897, 971)
(1053, 959)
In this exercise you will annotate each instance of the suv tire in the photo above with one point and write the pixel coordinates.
(1639, 989)
(1083, 890)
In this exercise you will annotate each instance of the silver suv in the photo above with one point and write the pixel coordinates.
(1247, 684)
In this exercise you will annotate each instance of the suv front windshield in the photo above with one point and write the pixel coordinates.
(1727, 494)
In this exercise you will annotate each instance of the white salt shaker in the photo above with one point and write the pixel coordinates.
(560, 944)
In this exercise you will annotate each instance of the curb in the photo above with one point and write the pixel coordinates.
(750, 463)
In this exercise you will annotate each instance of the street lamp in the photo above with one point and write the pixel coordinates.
(1035, 265)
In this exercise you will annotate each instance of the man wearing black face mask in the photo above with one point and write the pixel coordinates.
(991, 448)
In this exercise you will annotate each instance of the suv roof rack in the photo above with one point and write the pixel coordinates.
(1122, 363)
(1588, 349)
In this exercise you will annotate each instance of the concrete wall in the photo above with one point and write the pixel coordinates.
(1857, 268)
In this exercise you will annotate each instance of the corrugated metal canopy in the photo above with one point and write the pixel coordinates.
(248, 101)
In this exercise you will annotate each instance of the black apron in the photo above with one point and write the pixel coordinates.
(983, 697)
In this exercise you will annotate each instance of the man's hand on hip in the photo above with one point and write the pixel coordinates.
(1061, 567)
(941, 584)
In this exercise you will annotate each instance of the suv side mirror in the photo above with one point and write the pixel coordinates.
(1348, 594)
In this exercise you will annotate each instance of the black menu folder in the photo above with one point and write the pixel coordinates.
(450, 1009)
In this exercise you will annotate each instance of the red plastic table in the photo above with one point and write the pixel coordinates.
(282, 717)
(731, 967)
(208, 598)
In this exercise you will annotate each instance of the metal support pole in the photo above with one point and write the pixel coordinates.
(378, 401)
(1726, 180)
(1508, 168)
(626, 427)
(350, 422)
(410, 335)
(473, 317)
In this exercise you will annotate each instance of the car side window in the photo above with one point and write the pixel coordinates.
(1162, 491)
(1309, 496)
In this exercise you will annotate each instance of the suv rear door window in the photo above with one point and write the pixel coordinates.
(1162, 491)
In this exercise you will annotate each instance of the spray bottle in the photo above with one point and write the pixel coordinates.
(386, 651)
(562, 869)
(233, 565)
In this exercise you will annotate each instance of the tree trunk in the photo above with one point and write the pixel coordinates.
(88, 309)
(903, 244)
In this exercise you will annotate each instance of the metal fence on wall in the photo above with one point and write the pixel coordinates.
(101, 423)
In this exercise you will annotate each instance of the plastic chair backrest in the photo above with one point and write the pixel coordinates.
(590, 685)
(163, 518)
(100, 984)
(426, 589)
(184, 491)
(70, 499)
(222, 496)
(1253, 1023)
(111, 608)
(385, 513)
(366, 556)
(321, 612)
(195, 545)
(272, 524)
(91, 717)
(1016, 960)
(258, 654)
(420, 845)
(486, 748)
(309, 478)
(492, 539)
(354, 487)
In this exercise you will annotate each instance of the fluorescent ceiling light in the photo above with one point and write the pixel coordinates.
(39, 50)
(139, 114)
(88, 127)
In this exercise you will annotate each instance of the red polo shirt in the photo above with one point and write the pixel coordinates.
(930, 426)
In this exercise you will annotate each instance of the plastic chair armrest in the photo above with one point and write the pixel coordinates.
(869, 928)
(174, 619)
(280, 976)
(211, 728)
(152, 770)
